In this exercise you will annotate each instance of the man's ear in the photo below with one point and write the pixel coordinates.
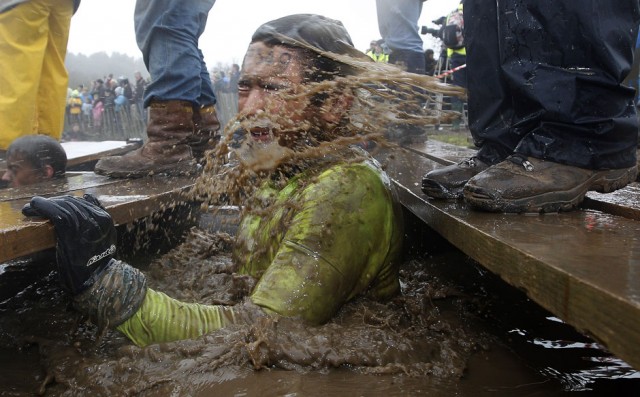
(336, 107)
(47, 171)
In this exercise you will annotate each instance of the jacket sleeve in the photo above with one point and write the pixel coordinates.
(340, 243)
(164, 319)
(119, 297)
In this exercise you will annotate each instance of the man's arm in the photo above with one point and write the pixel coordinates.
(342, 241)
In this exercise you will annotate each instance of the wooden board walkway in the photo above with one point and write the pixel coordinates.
(86, 152)
(582, 266)
(79, 153)
(126, 201)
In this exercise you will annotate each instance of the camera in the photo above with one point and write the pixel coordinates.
(437, 33)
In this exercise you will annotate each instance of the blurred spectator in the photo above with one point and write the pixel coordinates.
(126, 88)
(457, 54)
(138, 95)
(87, 113)
(430, 62)
(234, 76)
(376, 53)
(219, 83)
(75, 112)
(99, 92)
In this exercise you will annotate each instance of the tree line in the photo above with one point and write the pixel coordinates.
(83, 69)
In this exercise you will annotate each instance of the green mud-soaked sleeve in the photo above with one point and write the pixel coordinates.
(164, 319)
(343, 241)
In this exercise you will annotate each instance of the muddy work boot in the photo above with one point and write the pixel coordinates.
(521, 184)
(170, 130)
(206, 130)
(447, 182)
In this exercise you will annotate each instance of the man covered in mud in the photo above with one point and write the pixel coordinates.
(320, 229)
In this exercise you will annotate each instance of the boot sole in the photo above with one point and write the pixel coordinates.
(602, 181)
(436, 190)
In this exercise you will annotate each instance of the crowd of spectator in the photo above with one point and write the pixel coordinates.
(226, 81)
(112, 108)
(108, 108)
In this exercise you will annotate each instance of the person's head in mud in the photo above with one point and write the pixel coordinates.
(34, 158)
(281, 92)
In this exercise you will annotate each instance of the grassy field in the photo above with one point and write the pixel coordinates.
(455, 138)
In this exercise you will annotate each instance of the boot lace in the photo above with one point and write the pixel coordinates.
(471, 162)
(521, 160)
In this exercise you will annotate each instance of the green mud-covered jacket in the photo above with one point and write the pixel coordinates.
(328, 235)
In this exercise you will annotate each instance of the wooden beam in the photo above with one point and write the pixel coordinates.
(126, 201)
(85, 152)
(583, 266)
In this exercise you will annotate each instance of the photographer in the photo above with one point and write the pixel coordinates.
(451, 32)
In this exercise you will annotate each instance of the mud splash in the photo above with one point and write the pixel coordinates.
(385, 104)
(408, 336)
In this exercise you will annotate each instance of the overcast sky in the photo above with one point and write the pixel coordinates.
(108, 25)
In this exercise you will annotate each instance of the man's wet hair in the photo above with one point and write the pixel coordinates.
(40, 151)
(318, 37)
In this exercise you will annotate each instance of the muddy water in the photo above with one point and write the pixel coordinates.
(454, 331)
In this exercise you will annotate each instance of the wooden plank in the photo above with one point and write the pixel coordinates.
(126, 201)
(73, 181)
(624, 202)
(440, 152)
(87, 151)
(583, 266)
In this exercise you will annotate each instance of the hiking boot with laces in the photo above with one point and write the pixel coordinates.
(167, 151)
(448, 182)
(521, 184)
(206, 131)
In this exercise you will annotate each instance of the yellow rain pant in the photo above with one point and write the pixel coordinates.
(33, 77)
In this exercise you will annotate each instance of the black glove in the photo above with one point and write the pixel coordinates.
(86, 237)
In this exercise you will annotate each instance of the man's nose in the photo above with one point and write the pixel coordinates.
(254, 101)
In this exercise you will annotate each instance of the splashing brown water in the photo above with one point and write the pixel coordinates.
(407, 336)
(386, 103)
(431, 340)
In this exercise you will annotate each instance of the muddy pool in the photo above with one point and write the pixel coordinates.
(455, 330)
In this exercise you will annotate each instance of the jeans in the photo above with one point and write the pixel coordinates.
(398, 24)
(167, 33)
(544, 80)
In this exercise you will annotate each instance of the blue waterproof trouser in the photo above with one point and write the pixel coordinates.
(544, 80)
